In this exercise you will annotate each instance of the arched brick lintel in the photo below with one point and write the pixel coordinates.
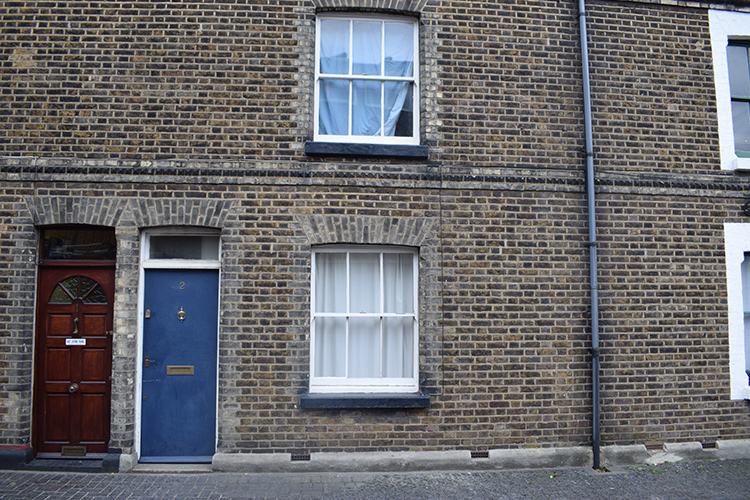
(197, 213)
(413, 6)
(368, 230)
(110, 212)
(74, 210)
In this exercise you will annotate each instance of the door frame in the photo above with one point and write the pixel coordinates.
(54, 267)
(185, 264)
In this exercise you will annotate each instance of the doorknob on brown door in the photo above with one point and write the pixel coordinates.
(73, 388)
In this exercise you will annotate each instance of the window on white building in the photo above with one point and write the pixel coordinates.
(737, 252)
(364, 320)
(366, 78)
(739, 86)
(746, 309)
(730, 39)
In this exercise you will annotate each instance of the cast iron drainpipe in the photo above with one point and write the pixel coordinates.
(592, 233)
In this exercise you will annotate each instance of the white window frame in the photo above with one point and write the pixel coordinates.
(726, 26)
(737, 243)
(414, 80)
(365, 385)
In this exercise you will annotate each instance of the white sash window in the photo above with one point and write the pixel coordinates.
(366, 80)
(364, 320)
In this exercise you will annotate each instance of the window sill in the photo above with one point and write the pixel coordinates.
(742, 164)
(353, 401)
(355, 149)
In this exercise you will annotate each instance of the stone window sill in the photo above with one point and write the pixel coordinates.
(353, 401)
(377, 150)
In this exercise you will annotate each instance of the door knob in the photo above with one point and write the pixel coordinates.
(73, 388)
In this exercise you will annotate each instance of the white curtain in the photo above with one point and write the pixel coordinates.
(364, 333)
(399, 61)
(366, 59)
(333, 98)
(330, 332)
(362, 338)
(398, 333)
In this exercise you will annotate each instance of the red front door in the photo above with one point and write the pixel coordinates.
(73, 360)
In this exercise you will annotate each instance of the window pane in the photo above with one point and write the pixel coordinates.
(184, 247)
(86, 284)
(96, 296)
(330, 282)
(366, 45)
(365, 283)
(398, 109)
(333, 104)
(365, 108)
(71, 286)
(398, 283)
(741, 119)
(330, 347)
(334, 47)
(75, 244)
(739, 70)
(60, 296)
(364, 347)
(399, 49)
(398, 347)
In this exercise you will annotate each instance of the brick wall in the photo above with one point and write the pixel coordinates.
(135, 115)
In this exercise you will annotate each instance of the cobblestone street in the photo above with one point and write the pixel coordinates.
(717, 480)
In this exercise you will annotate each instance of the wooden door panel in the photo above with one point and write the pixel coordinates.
(57, 419)
(93, 325)
(93, 364)
(58, 365)
(60, 324)
(92, 428)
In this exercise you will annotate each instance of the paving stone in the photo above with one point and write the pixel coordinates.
(716, 479)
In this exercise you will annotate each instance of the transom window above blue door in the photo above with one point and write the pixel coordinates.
(366, 88)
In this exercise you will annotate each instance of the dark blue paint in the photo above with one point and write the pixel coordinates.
(179, 411)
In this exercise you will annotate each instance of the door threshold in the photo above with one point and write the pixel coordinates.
(56, 465)
(162, 468)
(201, 459)
(60, 456)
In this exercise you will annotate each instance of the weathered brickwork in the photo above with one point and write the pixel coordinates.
(652, 87)
(140, 115)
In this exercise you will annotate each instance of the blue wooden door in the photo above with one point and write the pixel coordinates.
(178, 416)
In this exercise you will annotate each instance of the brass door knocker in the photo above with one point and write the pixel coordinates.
(181, 315)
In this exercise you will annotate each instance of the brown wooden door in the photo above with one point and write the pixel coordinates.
(73, 360)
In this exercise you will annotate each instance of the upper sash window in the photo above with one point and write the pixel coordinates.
(366, 79)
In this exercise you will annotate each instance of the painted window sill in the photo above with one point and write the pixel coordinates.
(352, 401)
(376, 150)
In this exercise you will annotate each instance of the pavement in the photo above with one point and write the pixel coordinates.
(711, 479)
